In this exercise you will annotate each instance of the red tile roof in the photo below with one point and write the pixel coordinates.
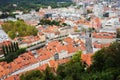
(87, 58)
(104, 35)
(98, 45)
(20, 62)
(68, 40)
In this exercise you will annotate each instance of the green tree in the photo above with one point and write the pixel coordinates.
(32, 75)
(6, 49)
(89, 11)
(17, 46)
(48, 74)
(107, 57)
(112, 56)
(68, 78)
(61, 71)
(18, 28)
(3, 49)
(9, 48)
(98, 60)
(64, 24)
(12, 47)
(77, 56)
(73, 68)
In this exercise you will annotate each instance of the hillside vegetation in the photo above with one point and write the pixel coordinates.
(25, 5)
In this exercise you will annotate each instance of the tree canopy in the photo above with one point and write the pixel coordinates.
(107, 58)
(11, 52)
(26, 5)
(53, 22)
(18, 28)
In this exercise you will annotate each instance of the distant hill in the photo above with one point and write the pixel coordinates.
(7, 5)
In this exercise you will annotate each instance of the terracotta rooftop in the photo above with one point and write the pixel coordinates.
(104, 35)
(87, 58)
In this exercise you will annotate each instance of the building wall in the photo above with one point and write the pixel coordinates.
(63, 54)
(103, 41)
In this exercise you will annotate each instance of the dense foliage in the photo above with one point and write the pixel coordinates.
(11, 56)
(13, 47)
(25, 5)
(38, 75)
(18, 28)
(5, 15)
(106, 66)
(53, 22)
(11, 51)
